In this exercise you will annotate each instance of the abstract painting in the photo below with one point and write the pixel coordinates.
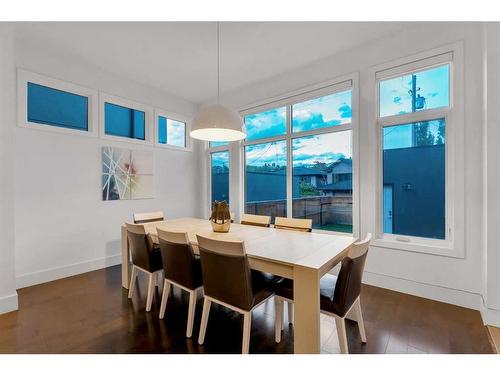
(126, 174)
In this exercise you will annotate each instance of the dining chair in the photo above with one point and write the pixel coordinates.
(148, 217)
(339, 295)
(182, 268)
(229, 281)
(256, 220)
(302, 225)
(146, 257)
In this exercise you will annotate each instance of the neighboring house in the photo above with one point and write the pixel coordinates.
(339, 179)
(310, 175)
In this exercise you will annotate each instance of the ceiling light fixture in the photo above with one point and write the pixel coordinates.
(216, 122)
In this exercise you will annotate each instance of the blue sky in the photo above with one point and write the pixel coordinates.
(400, 136)
(433, 84)
(175, 131)
(220, 159)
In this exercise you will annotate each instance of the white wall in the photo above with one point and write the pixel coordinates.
(453, 280)
(492, 177)
(8, 295)
(62, 227)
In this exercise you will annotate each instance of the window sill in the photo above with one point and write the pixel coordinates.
(432, 247)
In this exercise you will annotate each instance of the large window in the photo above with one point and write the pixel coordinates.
(413, 108)
(298, 159)
(219, 163)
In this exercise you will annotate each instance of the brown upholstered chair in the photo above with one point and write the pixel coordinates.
(339, 295)
(148, 217)
(229, 281)
(256, 220)
(182, 268)
(146, 257)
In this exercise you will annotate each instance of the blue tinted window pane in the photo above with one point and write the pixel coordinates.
(57, 108)
(330, 110)
(322, 180)
(220, 176)
(162, 129)
(217, 144)
(414, 179)
(415, 92)
(171, 132)
(265, 179)
(124, 122)
(266, 124)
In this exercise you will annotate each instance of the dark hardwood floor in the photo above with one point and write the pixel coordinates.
(90, 313)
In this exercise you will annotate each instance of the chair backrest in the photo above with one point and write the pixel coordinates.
(301, 225)
(226, 272)
(256, 220)
(140, 245)
(348, 286)
(179, 261)
(148, 217)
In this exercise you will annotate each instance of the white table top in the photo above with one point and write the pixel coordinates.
(312, 250)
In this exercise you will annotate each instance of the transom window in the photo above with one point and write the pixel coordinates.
(171, 132)
(298, 159)
(414, 106)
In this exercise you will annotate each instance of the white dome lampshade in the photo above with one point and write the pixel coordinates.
(218, 123)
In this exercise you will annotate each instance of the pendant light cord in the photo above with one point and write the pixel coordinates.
(218, 64)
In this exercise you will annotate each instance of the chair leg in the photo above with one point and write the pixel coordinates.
(341, 332)
(278, 321)
(191, 310)
(164, 298)
(247, 324)
(133, 278)
(359, 319)
(290, 312)
(149, 299)
(204, 320)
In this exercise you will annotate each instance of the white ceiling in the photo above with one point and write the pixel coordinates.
(180, 57)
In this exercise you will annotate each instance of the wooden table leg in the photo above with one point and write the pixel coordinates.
(307, 311)
(125, 259)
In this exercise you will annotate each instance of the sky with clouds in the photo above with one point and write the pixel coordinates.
(434, 87)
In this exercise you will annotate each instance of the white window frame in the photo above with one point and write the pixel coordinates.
(188, 146)
(24, 76)
(339, 84)
(148, 117)
(453, 244)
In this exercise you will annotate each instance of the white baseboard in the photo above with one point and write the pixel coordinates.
(52, 274)
(8, 303)
(491, 317)
(437, 293)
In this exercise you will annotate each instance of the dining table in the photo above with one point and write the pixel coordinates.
(302, 256)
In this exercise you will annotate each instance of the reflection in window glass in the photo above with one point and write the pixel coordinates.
(220, 176)
(124, 122)
(53, 107)
(217, 144)
(327, 111)
(322, 180)
(265, 179)
(171, 132)
(414, 179)
(266, 124)
(427, 89)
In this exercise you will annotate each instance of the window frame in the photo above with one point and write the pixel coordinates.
(212, 150)
(24, 77)
(339, 84)
(176, 117)
(453, 244)
(148, 115)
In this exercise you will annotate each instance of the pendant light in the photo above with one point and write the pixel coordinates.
(216, 122)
